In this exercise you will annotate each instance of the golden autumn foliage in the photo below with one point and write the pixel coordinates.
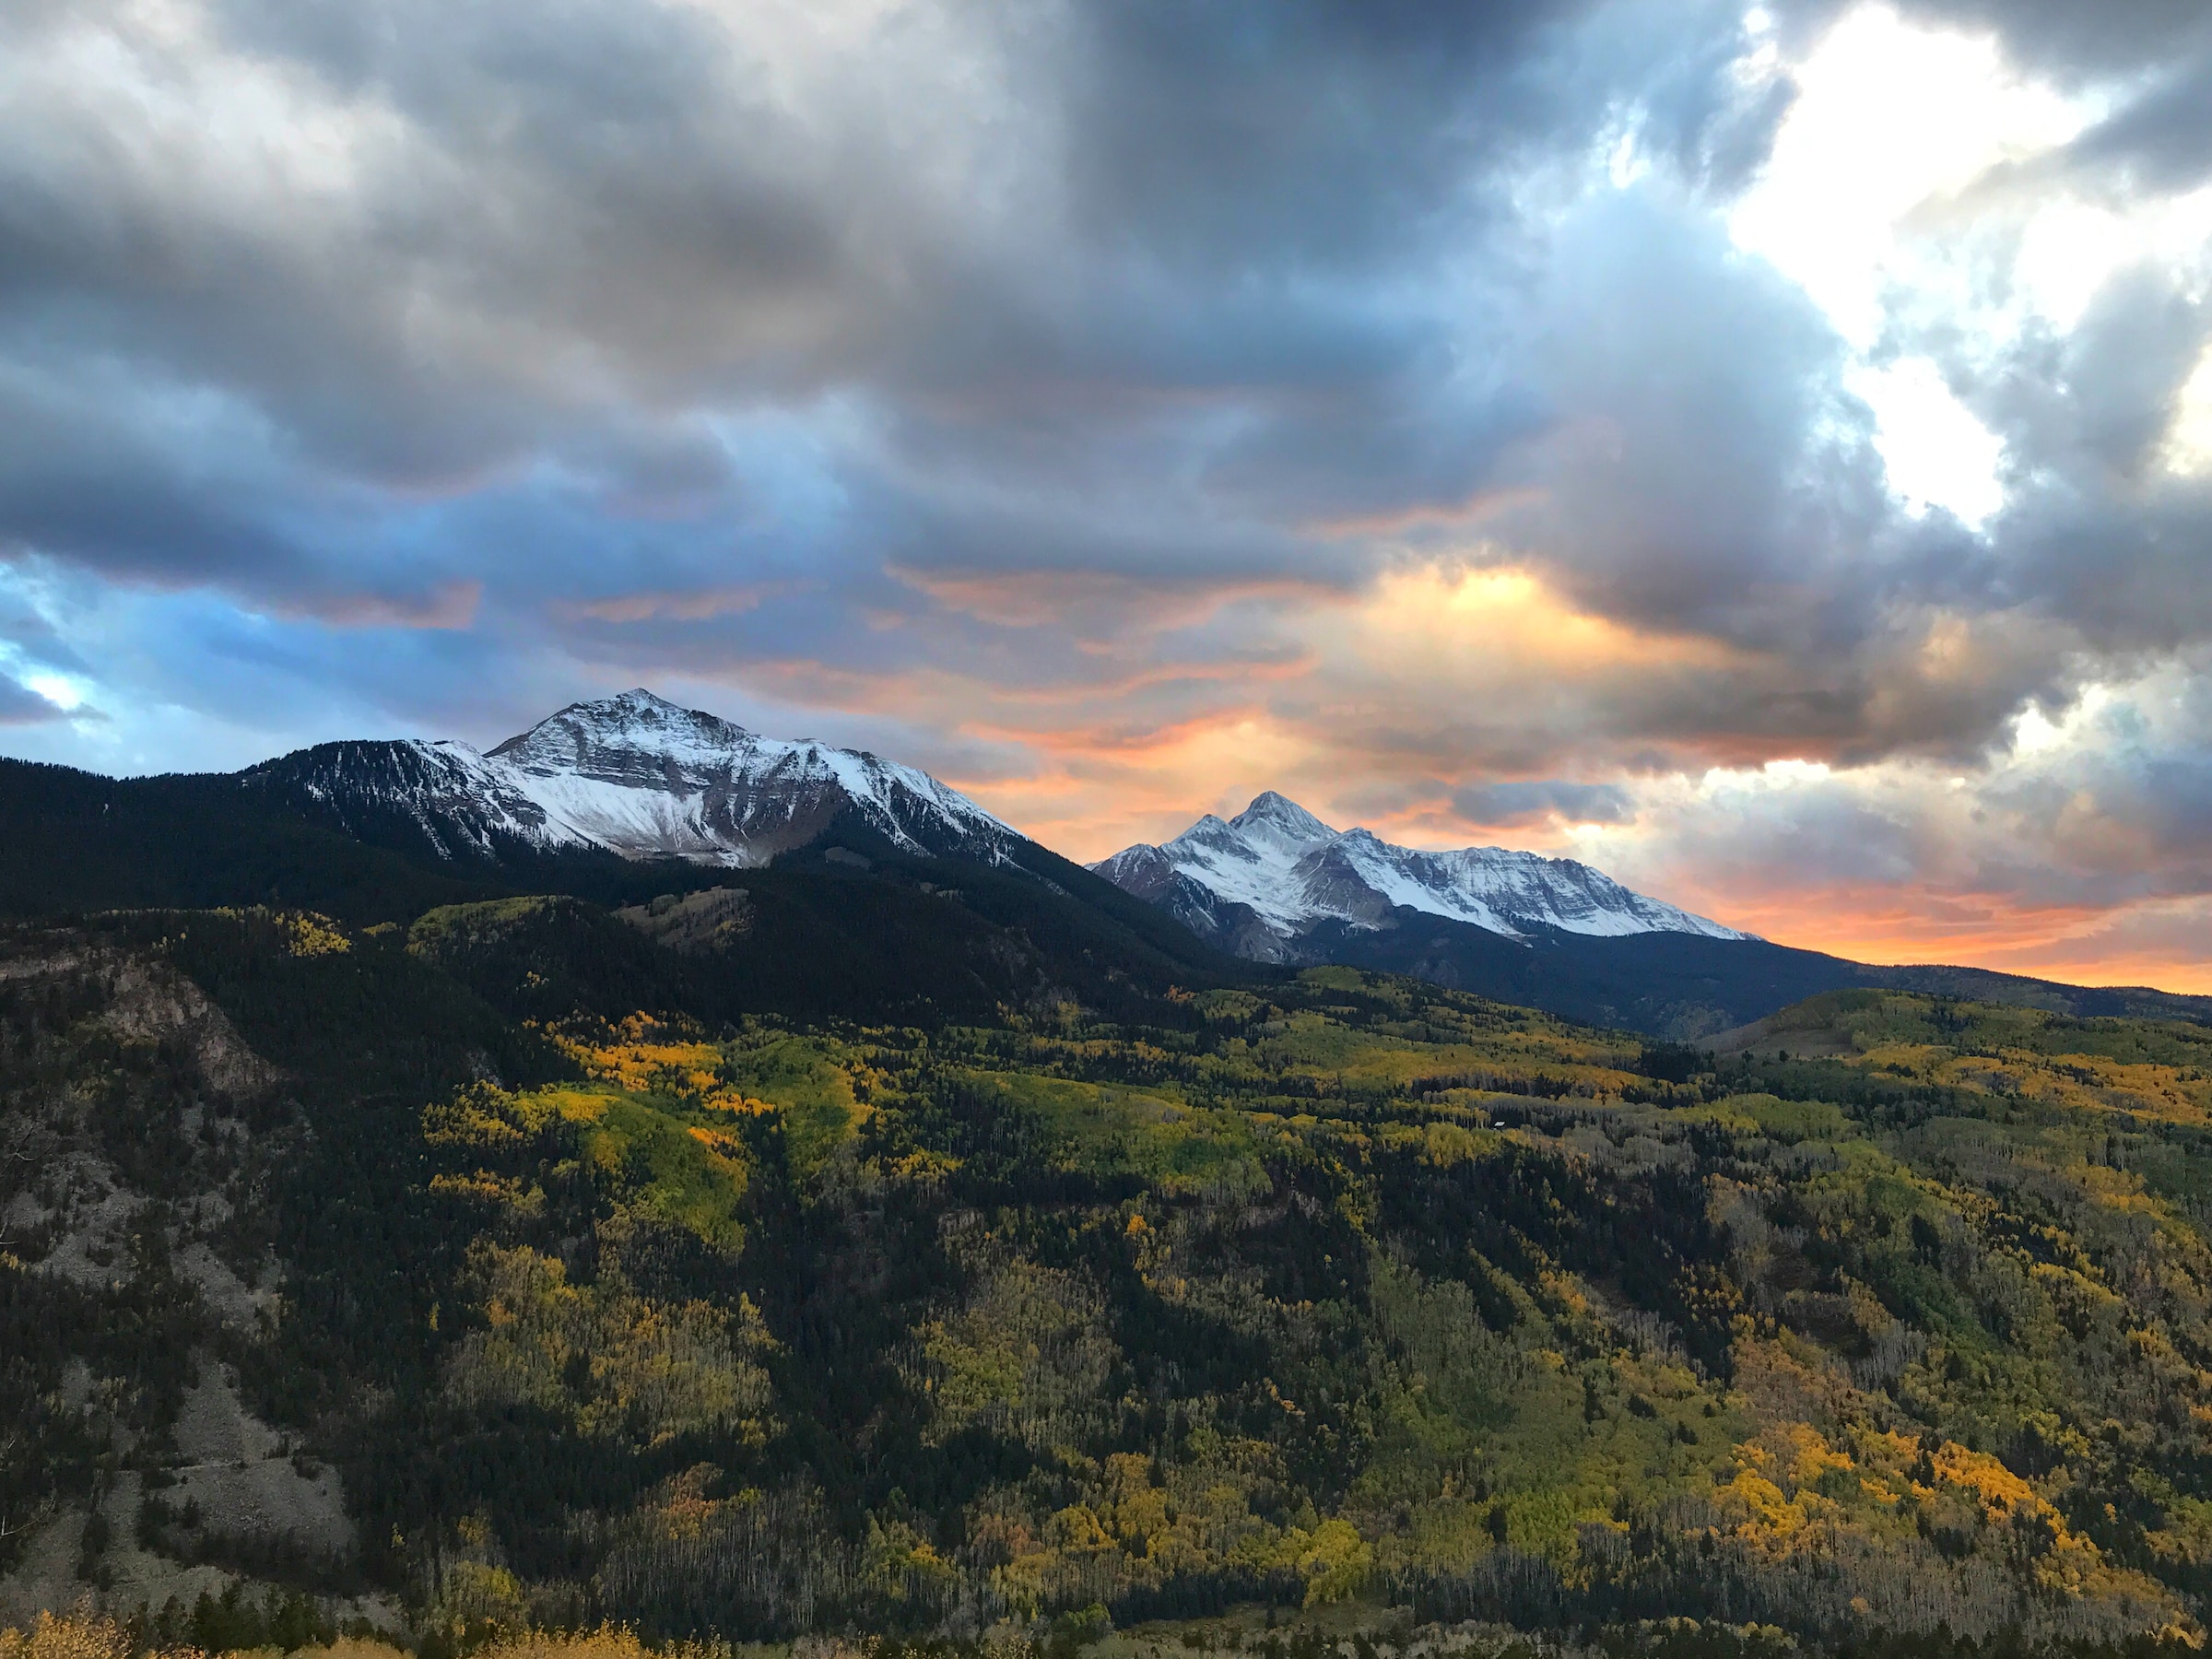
(83, 1635)
(601, 1357)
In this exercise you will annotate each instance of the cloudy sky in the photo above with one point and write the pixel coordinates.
(1766, 452)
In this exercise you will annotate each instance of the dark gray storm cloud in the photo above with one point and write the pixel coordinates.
(1259, 263)
(542, 211)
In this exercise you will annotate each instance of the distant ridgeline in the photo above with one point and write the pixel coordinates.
(888, 890)
(1275, 884)
(531, 1261)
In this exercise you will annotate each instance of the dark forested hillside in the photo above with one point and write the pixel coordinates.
(535, 1264)
(76, 842)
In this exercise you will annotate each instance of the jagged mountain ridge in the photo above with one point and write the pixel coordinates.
(634, 775)
(1262, 880)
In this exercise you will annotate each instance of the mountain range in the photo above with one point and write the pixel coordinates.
(876, 881)
(639, 777)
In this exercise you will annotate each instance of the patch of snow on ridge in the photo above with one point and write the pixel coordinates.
(1245, 870)
(1295, 872)
(1419, 882)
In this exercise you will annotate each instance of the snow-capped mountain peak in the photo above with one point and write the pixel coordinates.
(1278, 822)
(1293, 873)
(638, 775)
(588, 734)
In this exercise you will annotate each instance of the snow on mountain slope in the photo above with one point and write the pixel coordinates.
(1292, 872)
(637, 775)
(1251, 861)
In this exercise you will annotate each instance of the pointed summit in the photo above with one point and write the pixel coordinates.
(636, 697)
(635, 719)
(635, 705)
(639, 704)
(1282, 820)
